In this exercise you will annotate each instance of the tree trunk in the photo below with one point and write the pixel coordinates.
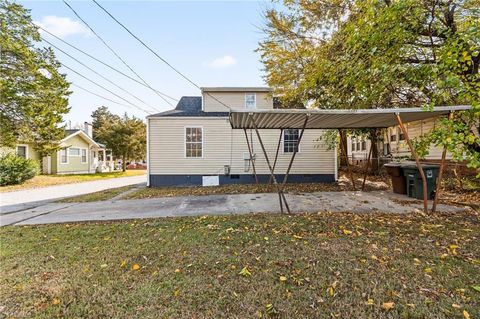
(375, 167)
(124, 162)
(343, 156)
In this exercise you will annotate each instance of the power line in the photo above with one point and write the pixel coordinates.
(113, 51)
(104, 88)
(97, 73)
(105, 64)
(156, 54)
(100, 96)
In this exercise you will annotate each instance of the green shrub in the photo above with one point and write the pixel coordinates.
(16, 170)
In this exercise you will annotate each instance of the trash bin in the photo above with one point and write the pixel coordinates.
(414, 183)
(398, 179)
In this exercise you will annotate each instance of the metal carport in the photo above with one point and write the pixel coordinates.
(334, 119)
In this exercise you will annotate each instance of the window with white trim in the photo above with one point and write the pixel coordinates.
(22, 151)
(250, 101)
(73, 151)
(193, 142)
(290, 140)
(63, 156)
(84, 155)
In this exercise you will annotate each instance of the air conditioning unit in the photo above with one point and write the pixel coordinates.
(246, 156)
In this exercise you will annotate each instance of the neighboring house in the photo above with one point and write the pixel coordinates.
(78, 154)
(194, 143)
(394, 144)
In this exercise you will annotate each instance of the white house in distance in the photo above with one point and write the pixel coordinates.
(194, 143)
(394, 144)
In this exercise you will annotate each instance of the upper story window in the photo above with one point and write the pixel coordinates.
(63, 156)
(193, 142)
(290, 140)
(354, 144)
(250, 101)
(22, 151)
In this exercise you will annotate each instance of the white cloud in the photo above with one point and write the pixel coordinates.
(63, 26)
(222, 62)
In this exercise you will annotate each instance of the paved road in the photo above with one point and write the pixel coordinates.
(24, 199)
(361, 202)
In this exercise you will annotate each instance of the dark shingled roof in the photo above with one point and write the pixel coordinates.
(189, 106)
(70, 132)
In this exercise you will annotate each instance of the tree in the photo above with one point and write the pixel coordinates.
(379, 54)
(125, 136)
(33, 93)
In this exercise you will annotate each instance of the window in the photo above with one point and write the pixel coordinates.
(364, 145)
(74, 151)
(401, 136)
(63, 156)
(393, 137)
(290, 141)
(22, 151)
(358, 145)
(193, 142)
(353, 145)
(84, 155)
(250, 101)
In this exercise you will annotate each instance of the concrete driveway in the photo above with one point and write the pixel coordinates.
(360, 202)
(29, 198)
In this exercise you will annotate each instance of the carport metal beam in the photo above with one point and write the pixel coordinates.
(336, 119)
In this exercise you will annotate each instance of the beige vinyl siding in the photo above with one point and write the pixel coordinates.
(224, 146)
(74, 164)
(416, 129)
(235, 100)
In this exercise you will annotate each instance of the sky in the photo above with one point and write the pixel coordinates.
(213, 43)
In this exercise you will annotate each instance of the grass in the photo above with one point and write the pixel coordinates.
(96, 196)
(50, 180)
(325, 265)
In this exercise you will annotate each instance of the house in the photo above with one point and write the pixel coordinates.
(194, 143)
(78, 154)
(394, 144)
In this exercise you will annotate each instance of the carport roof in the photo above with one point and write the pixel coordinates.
(333, 119)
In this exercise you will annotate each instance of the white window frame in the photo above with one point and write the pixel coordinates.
(86, 155)
(26, 149)
(75, 148)
(185, 141)
(283, 142)
(254, 101)
(60, 156)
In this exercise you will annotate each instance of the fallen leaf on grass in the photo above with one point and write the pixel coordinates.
(177, 270)
(270, 309)
(245, 272)
(103, 266)
(123, 263)
(477, 288)
(347, 232)
(135, 267)
(283, 278)
(466, 314)
(370, 302)
(388, 305)
(55, 301)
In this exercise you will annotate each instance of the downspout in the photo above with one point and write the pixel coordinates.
(148, 152)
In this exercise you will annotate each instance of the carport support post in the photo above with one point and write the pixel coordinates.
(251, 156)
(440, 173)
(366, 169)
(295, 152)
(276, 155)
(281, 195)
(419, 166)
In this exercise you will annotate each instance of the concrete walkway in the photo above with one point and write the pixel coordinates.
(361, 202)
(29, 198)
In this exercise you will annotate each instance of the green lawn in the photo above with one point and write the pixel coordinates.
(106, 194)
(264, 265)
(50, 180)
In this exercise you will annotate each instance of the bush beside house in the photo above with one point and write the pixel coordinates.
(16, 170)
